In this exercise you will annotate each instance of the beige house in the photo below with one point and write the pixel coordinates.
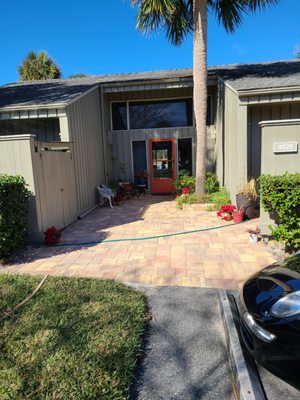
(68, 136)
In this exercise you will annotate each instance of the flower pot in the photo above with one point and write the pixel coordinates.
(238, 217)
(247, 204)
(253, 237)
(141, 181)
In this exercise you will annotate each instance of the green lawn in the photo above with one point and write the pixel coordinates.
(76, 339)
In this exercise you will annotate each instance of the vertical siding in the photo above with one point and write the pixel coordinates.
(16, 155)
(235, 143)
(85, 132)
(278, 164)
(108, 144)
(230, 128)
(259, 113)
(219, 115)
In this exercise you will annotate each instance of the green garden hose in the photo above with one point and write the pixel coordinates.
(146, 237)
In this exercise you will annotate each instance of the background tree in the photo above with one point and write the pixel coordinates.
(38, 66)
(178, 18)
(78, 75)
(297, 51)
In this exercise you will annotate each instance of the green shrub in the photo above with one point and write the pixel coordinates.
(190, 198)
(184, 180)
(113, 185)
(280, 196)
(293, 263)
(211, 184)
(218, 199)
(13, 213)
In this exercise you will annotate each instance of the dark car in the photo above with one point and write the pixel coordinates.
(270, 318)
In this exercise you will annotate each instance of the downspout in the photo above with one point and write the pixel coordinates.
(103, 134)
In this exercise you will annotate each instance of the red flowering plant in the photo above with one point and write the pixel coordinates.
(52, 236)
(118, 198)
(185, 190)
(225, 212)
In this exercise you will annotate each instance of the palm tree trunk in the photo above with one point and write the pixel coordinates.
(200, 89)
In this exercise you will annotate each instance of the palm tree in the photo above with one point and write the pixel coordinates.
(38, 67)
(178, 18)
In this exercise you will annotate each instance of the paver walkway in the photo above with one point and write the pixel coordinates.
(221, 258)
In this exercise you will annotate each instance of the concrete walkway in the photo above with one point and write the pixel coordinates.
(221, 258)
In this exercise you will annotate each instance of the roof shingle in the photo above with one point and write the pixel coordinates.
(266, 75)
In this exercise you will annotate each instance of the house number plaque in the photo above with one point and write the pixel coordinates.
(285, 147)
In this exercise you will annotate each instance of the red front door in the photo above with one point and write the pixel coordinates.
(162, 162)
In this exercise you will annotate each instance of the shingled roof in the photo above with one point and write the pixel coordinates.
(61, 91)
(268, 75)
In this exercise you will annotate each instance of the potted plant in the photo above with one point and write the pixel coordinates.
(226, 212)
(238, 215)
(52, 236)
(247, 198)
(141, 177)
(253, 234)
(118, 199)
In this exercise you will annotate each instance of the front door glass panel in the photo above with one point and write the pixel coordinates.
(162, 160)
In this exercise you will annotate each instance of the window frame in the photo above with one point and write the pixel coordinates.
(111, 115)
(147, 100)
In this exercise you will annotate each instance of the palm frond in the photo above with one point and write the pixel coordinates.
(254, 5)
(175, 17)
(230, 13)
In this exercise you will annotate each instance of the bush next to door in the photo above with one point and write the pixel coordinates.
(280, 196)
(13, 213)
(185, 180)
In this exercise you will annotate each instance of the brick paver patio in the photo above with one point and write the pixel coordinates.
(221, 258)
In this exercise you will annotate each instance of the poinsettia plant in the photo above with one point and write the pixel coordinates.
(52, 236)
(118, 198)
(225, 212)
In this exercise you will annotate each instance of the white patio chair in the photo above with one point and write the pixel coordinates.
(105, 193)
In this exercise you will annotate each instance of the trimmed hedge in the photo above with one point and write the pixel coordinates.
(13, 213)
(280, 196)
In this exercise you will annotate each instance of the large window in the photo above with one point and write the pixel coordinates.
(119, 116)
(161, 114)
(152, 114)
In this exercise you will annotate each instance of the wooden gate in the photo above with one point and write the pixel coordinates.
(54, 173)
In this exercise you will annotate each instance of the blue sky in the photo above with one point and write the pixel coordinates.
(99, 37)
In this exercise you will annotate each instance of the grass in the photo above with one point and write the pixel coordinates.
(76, 339)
